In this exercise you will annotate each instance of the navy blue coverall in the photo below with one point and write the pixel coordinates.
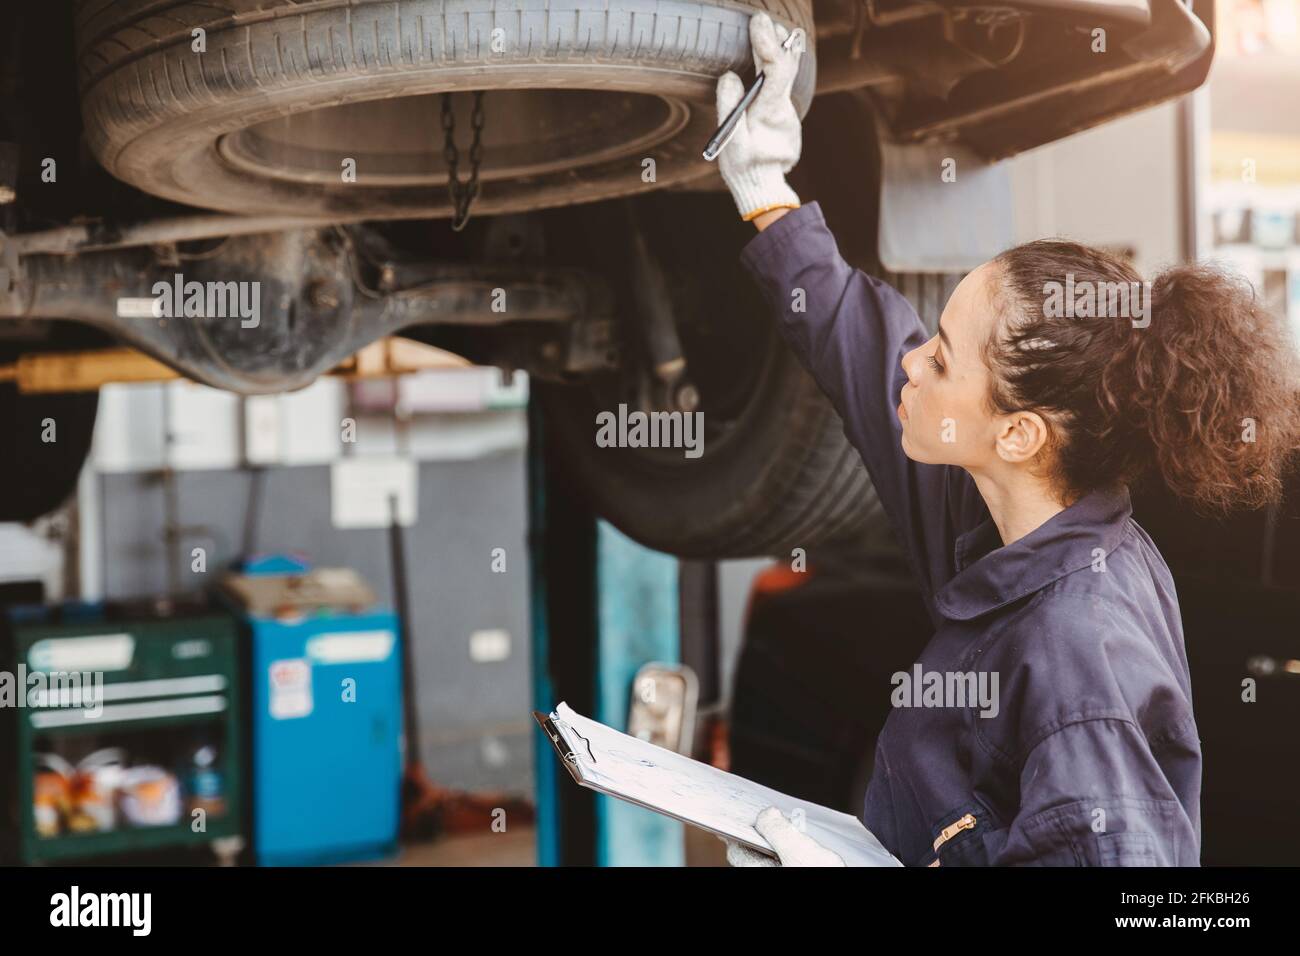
(1092, 756)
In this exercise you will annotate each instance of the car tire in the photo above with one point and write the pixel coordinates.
(49, 438)
(238, 125)
(788, 477)
(776, 472)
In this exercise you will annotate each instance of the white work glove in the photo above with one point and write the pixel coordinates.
(768, 139)
(793, 847)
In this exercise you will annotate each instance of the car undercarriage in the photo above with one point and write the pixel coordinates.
(511, 187)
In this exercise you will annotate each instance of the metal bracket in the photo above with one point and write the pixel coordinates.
(11, 275)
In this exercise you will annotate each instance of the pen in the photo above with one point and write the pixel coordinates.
(723, 135)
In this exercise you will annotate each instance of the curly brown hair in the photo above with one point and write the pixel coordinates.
(1198, 385)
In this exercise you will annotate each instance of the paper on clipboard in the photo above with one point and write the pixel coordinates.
(604, 759)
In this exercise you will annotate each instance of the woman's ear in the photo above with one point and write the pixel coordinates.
(1020, 435)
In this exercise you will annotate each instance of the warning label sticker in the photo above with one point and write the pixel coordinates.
(290, 688)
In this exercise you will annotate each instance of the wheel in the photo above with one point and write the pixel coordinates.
(776, 472)
(255, 106)
(47, 436)
(48, 440)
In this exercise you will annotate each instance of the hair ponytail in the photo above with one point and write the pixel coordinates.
(1213, 381)
(1201, 391)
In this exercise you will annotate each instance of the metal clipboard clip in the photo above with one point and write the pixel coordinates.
(567, 755)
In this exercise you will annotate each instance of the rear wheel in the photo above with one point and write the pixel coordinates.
(776, 472)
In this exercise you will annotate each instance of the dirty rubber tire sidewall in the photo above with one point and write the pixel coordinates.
(154, 110)
(49, 439)
(793, 482)
(777, 471)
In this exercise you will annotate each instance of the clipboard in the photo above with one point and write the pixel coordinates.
(611, 762)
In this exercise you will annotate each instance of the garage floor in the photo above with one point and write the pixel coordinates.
(518, 847)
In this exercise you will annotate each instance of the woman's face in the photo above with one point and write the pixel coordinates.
(944, 414)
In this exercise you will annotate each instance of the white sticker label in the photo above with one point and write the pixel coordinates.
(356, 647)
(362, 489)
(290, 688)
(489, 645)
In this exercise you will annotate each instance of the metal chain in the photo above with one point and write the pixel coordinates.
(462, 194)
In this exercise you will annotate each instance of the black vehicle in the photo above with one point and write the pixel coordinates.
(306, 146)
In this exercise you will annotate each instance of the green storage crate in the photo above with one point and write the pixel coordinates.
(170, 686)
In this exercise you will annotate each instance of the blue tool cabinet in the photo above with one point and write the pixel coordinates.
(327, 718)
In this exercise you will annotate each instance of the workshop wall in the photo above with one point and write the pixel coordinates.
(474, 731)
(464, 437)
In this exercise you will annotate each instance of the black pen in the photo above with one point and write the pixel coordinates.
(720, 139)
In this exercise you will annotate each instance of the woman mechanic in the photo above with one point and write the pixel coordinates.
(1002, 448)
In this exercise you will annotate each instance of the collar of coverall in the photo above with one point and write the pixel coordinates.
(990, 576)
